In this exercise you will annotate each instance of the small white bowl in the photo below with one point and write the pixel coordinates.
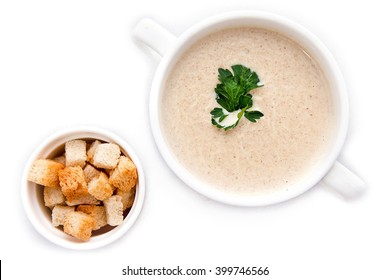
(40, 216)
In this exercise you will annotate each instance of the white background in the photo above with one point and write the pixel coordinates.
(66, 63)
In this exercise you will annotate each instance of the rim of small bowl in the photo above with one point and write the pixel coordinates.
(35, 209)
(269, 21)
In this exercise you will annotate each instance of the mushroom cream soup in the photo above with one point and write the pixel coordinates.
(278, 150)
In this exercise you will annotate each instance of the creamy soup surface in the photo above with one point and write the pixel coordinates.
(270, 155)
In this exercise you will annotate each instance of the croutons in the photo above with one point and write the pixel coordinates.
(114, 206)
(100, 188)
(91, 150)
(79, 225)
(124, 176)
(98, 213)
(127, 198)
(90, 172)
(106, 156)
(60, 159)
(53, 196)
(73, 183)
(59, 213)
(45, 172)
(83, 199)
(76, 153)
(78, 186)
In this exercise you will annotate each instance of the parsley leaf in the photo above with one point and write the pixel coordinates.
(232, 94)
(218, 113)
(253, 115)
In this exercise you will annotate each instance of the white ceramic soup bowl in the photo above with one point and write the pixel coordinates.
(40, 216)
(170, 47)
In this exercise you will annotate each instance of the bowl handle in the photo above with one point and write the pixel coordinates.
(344, 181)
(154, 36)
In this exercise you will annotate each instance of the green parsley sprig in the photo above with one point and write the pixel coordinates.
(232, 94)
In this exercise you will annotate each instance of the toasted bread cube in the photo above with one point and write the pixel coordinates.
(71, 179)
(100, 188)
(45, 172)
(124, 176)
(83, 199)
(91, 150)
(60, 159)
(106, 156)
(59, 213)
(98, 213)
(79, 225)
(53, 196)
(90, 172)
(76, 153)
(73, 183)
(127, 198)
(113, 207)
